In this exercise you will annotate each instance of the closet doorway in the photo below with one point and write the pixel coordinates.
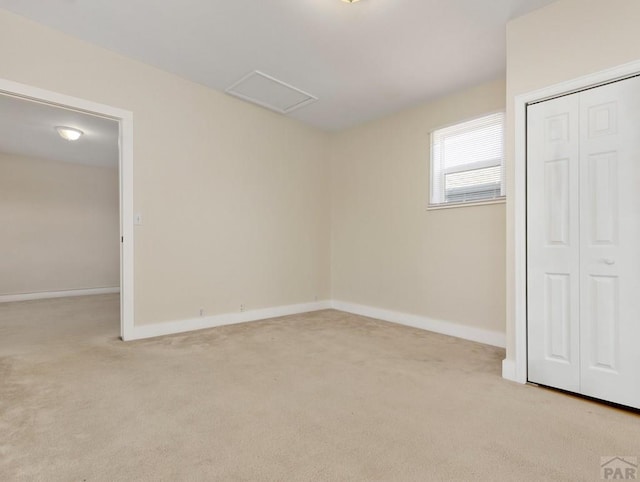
(583, 242)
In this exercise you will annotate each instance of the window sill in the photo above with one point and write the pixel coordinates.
(436, 207)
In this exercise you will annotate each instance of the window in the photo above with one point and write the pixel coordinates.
(467, 161)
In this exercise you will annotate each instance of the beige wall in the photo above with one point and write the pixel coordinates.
(60, 226)
(234, 198)
(388, 251)
(566, 40)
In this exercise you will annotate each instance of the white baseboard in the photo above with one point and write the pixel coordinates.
(172, 327)
(488, 337)
(43, 295)
(447, 328)
(509, 370)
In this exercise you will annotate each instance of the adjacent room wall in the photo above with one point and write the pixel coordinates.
(388, 251)
(566, 40)
(234, 198)
(60, 226)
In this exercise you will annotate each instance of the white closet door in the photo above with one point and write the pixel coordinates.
(583, 242)
(610, 242)
(553, 240)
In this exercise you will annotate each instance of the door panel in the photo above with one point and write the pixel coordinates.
(602, 299)
(610, 242)
(557, 317)
(552, 243)
(603, 190)
(556, 180)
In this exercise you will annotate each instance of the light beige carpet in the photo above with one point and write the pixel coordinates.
(322, 396)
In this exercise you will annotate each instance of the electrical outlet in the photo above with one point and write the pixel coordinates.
(201, 311)
(241, 308)
(315, 298)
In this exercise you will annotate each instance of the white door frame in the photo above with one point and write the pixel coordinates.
(518, 372)
(125, 121)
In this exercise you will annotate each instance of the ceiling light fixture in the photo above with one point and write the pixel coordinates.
(69, 133)
(350, 1)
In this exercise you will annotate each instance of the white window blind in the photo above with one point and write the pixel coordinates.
(467, 161)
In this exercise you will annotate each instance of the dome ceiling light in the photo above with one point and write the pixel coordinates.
(69, 133)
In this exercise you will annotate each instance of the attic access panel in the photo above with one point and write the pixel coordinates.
(271, 93)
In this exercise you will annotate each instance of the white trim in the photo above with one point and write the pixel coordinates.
(435, 207)
(126, 224)
(488, 337)
(125, 119)
(171, 327)
(480, 335)
(43, 295)
(509, 370)
(469, 119)
(440, 192)
(291, 108)
(519, 373)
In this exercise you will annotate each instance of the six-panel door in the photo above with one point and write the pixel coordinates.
(583, 242)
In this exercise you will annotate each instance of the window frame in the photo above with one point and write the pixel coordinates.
(496, 162)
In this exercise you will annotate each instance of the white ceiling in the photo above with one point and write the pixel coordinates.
(361, 60)
(28, 128)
